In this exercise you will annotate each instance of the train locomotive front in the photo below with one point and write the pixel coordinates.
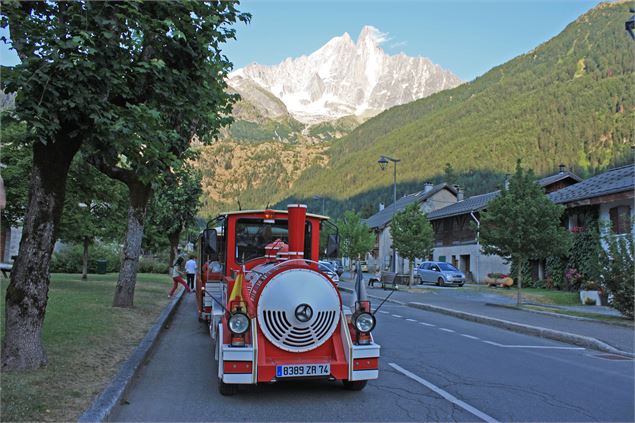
(277, 317)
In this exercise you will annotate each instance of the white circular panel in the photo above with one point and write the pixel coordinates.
(298, 310)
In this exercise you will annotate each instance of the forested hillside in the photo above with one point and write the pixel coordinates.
(570, 100)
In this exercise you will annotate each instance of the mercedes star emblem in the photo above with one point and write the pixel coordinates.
(303, 313)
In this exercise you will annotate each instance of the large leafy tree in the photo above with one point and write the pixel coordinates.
(177, 91)
(412, 235)
(174, 207)
(356, 239)
(522, 223)
(76, 85)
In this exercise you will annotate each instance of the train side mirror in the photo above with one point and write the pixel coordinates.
(333, 246)
(210, 240)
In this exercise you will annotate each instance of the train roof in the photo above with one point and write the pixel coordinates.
(319, 216)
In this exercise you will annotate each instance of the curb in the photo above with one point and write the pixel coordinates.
(566, 337)
(110, 397)
(564, 316)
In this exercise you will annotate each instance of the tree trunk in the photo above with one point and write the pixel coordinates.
(85, 258)
(520, 280)
(412, 272)
(139, 196)
(27, 293)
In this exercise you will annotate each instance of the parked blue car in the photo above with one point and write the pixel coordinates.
(440, 273)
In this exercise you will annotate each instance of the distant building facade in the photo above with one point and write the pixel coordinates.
(607, 198)
(431, 198)
(456, 238)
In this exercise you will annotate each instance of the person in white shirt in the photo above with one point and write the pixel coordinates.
(190, 270)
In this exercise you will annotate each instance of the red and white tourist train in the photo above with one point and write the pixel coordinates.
(272, 313)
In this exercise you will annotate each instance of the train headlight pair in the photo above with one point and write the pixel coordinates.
(364, 322)
(238, 323)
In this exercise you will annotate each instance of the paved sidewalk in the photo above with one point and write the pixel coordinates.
(620, 337)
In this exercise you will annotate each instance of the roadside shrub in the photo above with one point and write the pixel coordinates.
(555, 267)
(152, 265)
(584, 263)
(527, 279)
(69, 258)
(617, 270)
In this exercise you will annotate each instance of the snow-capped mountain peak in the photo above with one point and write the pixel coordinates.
(344, 78)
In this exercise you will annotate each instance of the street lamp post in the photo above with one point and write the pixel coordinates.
(383, 162)
(317, 197)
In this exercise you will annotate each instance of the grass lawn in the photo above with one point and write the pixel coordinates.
(535, 295)
(86, 341)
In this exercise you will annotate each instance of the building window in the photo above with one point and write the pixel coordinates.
(620, 219)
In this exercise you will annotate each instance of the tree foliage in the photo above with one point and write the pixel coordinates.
(94, 208)
(176, 91)
(522, 223)
(173, 208)
(412, 235)
(355, 236)
(16, 156)
(617, 271)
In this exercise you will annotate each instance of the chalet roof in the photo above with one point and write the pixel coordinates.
(479, 202)
(612, 181)
(548, 180)
(475, 203)
(383, 217)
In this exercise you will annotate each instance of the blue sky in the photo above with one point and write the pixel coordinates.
(466, 37)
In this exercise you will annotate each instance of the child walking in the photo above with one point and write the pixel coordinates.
(177, 277)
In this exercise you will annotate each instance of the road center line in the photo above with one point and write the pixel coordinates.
(446, 330)
(426, 324)
(411, 320)
(469, 336)
(543, 347)
(448, 396)
(396, 315)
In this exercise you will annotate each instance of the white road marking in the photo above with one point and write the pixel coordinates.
(543, 347)
(382, 311)
(445, 394)
(426, 324)
(411, 320)
(396, 315)
(446, 330)
(469, 336)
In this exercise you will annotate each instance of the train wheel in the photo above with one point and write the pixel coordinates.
(355, 385)
(226, 389)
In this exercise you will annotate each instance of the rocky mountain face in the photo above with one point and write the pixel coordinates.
(289, 114)
(342, 78)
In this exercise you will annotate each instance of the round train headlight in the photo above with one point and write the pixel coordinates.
(365, 322)
(238, 323)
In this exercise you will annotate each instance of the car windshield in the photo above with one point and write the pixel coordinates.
(448, 267)
(326, 267)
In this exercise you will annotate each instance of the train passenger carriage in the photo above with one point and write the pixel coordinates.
(272, 313)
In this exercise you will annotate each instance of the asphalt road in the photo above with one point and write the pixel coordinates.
(433, 368)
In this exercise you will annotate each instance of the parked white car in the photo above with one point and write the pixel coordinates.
(440, 273)
(329, 269)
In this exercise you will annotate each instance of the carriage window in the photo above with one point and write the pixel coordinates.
(252, 235)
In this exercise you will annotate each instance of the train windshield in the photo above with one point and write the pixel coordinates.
(253, 235)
